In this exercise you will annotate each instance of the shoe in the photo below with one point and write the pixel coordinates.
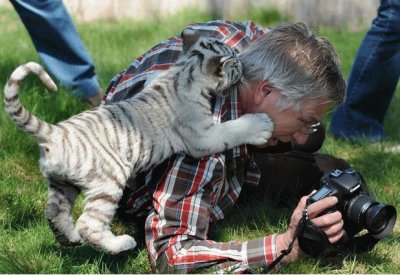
(392, 149)
(387, 146)
(96, 99)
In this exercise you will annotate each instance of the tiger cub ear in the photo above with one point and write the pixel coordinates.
(189, 38)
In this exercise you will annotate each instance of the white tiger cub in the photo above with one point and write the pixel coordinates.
(98, 150)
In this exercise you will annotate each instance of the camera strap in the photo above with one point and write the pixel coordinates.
(286, 251)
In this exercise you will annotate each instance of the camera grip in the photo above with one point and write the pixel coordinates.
(312, 240)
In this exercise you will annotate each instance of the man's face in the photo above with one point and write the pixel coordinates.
(293, 125)
(290, 125)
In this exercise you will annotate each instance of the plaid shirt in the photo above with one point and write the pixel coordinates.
(184, 195)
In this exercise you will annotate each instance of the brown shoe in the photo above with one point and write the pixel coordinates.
(95, 100)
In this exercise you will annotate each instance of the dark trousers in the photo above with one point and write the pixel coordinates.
(373, 79)
(289, 172)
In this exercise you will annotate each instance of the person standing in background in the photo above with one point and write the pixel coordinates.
(59, 46)
(373, 79)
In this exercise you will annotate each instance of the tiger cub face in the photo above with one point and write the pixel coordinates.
(216, 60)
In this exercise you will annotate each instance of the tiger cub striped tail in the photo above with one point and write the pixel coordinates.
(22, 117)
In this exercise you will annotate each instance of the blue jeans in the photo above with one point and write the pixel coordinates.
(373, 79)
(58, 43)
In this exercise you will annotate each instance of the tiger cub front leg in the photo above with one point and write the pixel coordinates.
(94, 223)
(253, 129)
(58, 213)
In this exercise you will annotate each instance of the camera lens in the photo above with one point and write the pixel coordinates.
(377, 218)
(356, 208)
(380, 219)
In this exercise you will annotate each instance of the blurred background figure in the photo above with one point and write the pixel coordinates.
(59, 46)
(373, 79)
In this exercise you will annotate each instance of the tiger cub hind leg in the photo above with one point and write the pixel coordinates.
(58, 212)
(94, 223)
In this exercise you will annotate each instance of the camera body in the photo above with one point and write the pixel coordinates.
(358, 209)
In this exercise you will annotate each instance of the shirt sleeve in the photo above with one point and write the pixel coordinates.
(176, 231)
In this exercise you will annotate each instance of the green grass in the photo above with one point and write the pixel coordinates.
(26, 242)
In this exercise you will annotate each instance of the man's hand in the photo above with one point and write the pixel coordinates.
(331, 224)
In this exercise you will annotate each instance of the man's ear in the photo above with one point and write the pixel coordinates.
(263, 89)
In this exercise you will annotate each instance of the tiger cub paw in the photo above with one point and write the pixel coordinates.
(71, 239)
(259, 128)
(117, 244)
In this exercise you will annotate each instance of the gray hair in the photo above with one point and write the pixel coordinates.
(295, 61)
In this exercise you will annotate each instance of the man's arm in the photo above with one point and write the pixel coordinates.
(186, 200)
(176, 231)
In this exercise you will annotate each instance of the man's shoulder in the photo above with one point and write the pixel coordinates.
(162, 56)
(221, 29)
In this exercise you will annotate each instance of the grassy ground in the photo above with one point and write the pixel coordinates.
(26, 243)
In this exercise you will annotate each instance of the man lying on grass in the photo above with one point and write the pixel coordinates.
(289, 74)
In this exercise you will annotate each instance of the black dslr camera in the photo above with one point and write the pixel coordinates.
(358, 209)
